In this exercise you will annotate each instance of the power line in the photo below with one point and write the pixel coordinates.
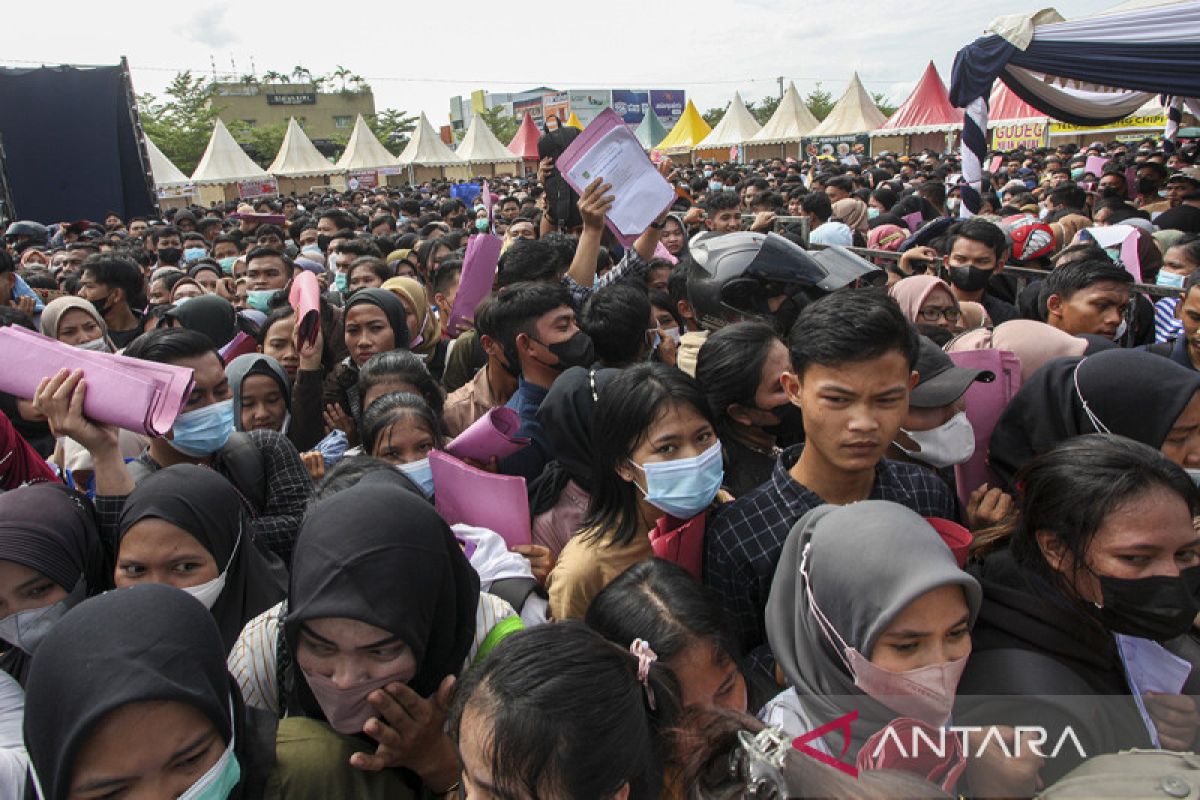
(472, 81)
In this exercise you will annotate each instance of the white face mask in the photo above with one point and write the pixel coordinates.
(98, 345)
(1194, 474)
(952, 442)
(208, 592)
(26, 629)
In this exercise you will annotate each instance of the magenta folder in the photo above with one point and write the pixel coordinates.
(240, 345)
(984, 403)
(471, 496)
(305, 297)
(140, 396)
(492, 435)
(608, 120)
(478, 275)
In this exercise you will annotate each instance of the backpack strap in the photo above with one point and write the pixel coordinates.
(243, 462)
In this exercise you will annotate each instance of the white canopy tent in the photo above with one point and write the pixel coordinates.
(736, 128)
(299, 165)
(426, 156)
(224, 165)
(172, 188)
(484, 152)
(854, 112)
(787, 126)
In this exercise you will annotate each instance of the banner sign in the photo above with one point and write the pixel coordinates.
(258, 187)
(169, 192)
(362, 179)
(296, 99)
(534, 107)
(630, 105)
(588, 103)
(1019, 136)
(668, 104)
(837, 147)
(1149, 122)
(557, 105)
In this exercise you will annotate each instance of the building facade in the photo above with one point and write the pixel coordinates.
(324, 115)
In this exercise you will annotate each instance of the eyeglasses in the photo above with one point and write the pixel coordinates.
(933, 314)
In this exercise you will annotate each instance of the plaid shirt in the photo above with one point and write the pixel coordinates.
(275, 526)
(631, 269)
(744, 539)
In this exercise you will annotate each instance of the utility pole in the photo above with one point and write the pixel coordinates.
(780, 79)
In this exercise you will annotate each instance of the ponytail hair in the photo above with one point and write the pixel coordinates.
(565, 715)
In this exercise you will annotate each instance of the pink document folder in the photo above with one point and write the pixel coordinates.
(475, 283)
(140, 396)
(305, 297)
(494, 435)
(472, 496)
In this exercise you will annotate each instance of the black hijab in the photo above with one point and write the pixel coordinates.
(149, 642)
(381, 555)
(209, 314)
(1131, 392)
(52, 529)
(566, 417)
(391, 307)
(207, 506)
(36, 432)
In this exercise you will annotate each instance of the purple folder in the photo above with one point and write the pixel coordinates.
(140, 396)
(984, 403)
(492, 435)
(478, 275)
(471, 496)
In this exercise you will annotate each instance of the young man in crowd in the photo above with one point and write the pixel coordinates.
(1087, 297)
(852, 385)
(115, 286)
(976, 253)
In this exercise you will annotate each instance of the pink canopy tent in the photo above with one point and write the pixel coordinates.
(926, 117)
(525, 142)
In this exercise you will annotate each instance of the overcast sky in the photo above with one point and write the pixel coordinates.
(416, 60)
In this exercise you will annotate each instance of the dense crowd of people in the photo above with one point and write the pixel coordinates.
(745, 456)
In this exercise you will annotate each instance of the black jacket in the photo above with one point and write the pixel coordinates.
(1032, 641)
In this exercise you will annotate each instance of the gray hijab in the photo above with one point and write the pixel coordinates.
(243, 367)
(868, 561)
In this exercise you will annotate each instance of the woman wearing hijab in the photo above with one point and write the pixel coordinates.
(262, 393)
(129, 696)
(927, 302)
(559, 498)
(853, 212)
(869, 611)
(1131, 393)
(51, 558)
(1033, 343)
(374, 322)
(75, 321)
(674, 236)
(424, 326)
(382, 608)
(185, 526)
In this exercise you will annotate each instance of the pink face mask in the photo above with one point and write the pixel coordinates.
(347, 710)
(925, 693)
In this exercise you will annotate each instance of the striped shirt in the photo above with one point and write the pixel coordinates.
(1166, 327)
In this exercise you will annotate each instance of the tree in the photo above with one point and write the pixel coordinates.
(504, 126)
(341, 75)
(302, 74)
(881, 100)
(713, 116)
(763, 109)
(271, 76)
(392, 127)
(819, 102)
(261, 142)
(182, 123)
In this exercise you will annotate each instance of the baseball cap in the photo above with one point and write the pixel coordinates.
(939, 382)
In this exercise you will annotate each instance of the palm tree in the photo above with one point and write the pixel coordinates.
(272, 76)
(302, 74)
(359, 83)
(341, 74)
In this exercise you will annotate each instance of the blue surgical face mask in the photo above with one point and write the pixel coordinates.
(340, 282)
(1170, 279)
(260, 299)
(1077, 174)
(481, 224)
(872, 212)
(204, 431)
(716, 186)
(227, 264)
(420, 473)
(219, 781)
(685, 487)
(194, 254)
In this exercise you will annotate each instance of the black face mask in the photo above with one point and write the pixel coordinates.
(1147, 187)
(102, 306)
(1158, 608)
(323, 242)
(791, 423)
(169, 255)
(578, 351)
(1110, 191)
(970, 279)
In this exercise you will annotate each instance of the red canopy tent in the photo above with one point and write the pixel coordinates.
(1012, 123)
(1004, 106)
(925, 118)
(525, 142)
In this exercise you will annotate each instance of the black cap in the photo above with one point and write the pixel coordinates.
(940, 382)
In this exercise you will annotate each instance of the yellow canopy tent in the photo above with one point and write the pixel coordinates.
(687, 133)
